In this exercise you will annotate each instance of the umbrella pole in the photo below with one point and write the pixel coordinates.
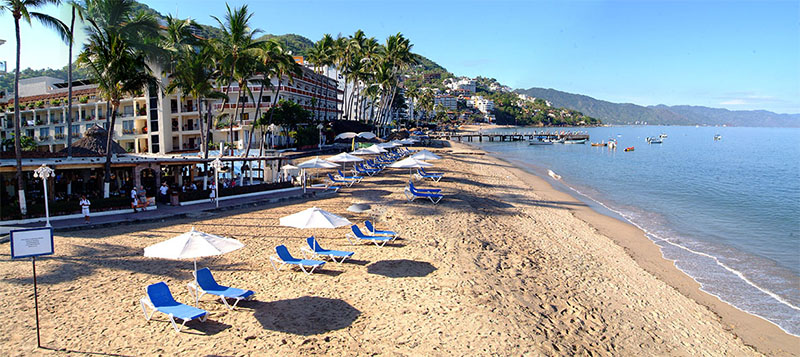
(196, 294)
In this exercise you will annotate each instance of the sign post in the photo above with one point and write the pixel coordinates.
(31, 243)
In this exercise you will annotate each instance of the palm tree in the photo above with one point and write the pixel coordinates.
(113, 61)
(20, 10)
(284, 66)
(77, 11)
(412, 93)
(268, 56)
(236, 41)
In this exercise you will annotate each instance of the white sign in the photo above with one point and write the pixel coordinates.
(31, 242)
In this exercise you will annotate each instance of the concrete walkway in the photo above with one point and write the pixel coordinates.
(169, 212)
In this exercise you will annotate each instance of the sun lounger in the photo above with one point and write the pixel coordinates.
(360, 169)
(424, 190)
(283, 257)
(422, 169)
(421, 175)
(315, 250)
(207, 285)
(160, 299)
(345, 177)
(334, 180)
(371, 230)
(411, 194)
(358, 236)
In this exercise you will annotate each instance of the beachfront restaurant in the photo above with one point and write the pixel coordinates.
(188, 177)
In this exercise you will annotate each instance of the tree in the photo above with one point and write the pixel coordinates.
(77, 11)
(20, 10)
(237, 40)
(113, 61)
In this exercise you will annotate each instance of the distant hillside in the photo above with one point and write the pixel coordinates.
(626, 113)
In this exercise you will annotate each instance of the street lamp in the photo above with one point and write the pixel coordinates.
(271, 129)
(216, 165)
(44, 173)
(319, 127)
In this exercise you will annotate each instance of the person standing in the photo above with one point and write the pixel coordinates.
(85, 208)
(134, 199)
(163, 191)
(213, 194)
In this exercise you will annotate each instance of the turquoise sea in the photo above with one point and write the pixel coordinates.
(727, 211)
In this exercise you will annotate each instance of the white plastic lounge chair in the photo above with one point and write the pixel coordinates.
(356, 235)
(160, 299)
(207, 285)
(316, 251)
(285, 258)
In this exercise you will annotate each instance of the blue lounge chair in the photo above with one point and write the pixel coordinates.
(315, 250)
(334, 180)
(421, 175)
(160, 299)
(358, 236)
(345, 177)
(371, 230)
(424, 190)
(411, 194)
(207, 285)
(360, 169)
(285, 258)
(422, 169)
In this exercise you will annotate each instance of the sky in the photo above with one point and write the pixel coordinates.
(738, 55)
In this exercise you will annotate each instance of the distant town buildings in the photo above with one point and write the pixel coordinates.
(449, 102)
(463, 85)
(485, 106)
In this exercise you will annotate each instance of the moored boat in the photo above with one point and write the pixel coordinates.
(540, 142)
(630, 148)
(663, 136)
(600, 144)
(575, 141)
(653, 140)
(717, 137)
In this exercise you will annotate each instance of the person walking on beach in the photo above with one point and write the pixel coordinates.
(85, 208)
(213, 194)
(134, 199)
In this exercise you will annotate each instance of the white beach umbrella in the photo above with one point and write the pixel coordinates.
(315, 163)
(347, 135)
(375, 149)
(314, 218)
(192, 245)
(410, 163)
(344, 158)
(425, 155)
(387, 145)
(367, 135)
(407, 141)
(362, 151)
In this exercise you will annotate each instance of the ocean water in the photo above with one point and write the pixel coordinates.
(727, 212)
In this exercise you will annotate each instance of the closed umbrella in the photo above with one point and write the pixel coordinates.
(192, 245)
(425, 155)
(367, 135)
(314, 218)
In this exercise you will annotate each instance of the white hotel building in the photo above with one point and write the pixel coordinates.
(155, 122)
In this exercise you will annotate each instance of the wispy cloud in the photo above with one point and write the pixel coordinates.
(735, 102)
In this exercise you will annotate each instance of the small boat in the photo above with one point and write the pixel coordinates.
(663, 136)
(612, 145)
(717, 137)
(553, 175)
(629, 148)
(575, 141)
(653, 140)
(540, 142)
(600, 144)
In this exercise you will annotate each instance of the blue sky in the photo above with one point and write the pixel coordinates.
(735, 55)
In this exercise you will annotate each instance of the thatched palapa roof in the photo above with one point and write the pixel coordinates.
(93, 142)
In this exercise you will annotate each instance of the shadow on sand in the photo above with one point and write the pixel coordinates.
(306, 316)
(402, 268)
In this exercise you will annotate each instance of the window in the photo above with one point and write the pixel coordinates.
(59, 130)
(76, 129)
(127, 125)
(266, 99)
(243, 99)
(154, 144)
(29, 133)
(245, 116)
(127, 111)
(88, 126)
(44, 132)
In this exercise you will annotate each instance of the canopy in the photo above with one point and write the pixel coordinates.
(410, 162)
(387, 145)
(425, 155)
(289, 167)
(317, 163)
(314, 218)
(344, 157)
(374, 149)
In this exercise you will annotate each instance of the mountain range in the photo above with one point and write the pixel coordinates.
(627, 113)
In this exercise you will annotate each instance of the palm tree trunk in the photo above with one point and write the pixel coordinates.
(203, 138)
(109, 140)
(23, 207)
(255, 119)
(69, 85)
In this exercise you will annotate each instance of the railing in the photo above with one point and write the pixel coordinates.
(44, 138)
(76, 135)
(59, 136)
(190, 127)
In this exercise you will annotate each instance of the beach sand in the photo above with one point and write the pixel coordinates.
(503, 265)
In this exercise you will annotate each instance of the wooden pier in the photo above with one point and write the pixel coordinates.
(481, 137)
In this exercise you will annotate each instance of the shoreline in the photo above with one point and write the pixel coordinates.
(758, 332)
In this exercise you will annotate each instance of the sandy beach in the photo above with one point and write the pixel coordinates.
(502, 265)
